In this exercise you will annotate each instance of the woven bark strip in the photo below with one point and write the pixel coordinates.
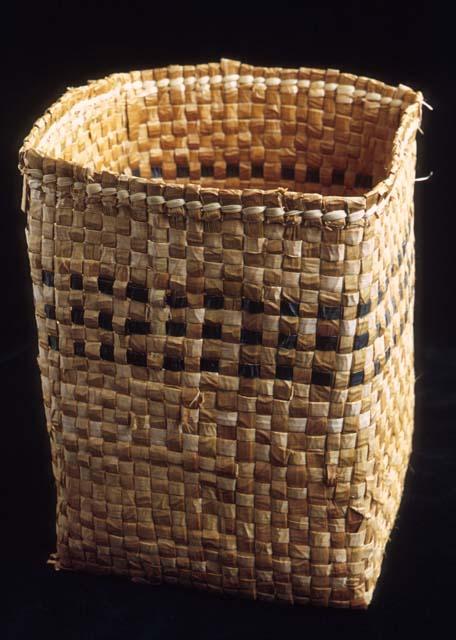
(222, 259)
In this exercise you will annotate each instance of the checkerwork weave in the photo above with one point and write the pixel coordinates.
(222, 259)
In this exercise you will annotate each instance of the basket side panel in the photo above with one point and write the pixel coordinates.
(395, 387)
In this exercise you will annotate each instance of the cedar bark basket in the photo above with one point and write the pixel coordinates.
(222, 259)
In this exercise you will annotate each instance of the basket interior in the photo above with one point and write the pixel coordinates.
(331, 135)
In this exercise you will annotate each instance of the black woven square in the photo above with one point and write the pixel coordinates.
(48, 278)
(136, 326)
(213, 301)
(356, 378)
(105, 320)
(207, 364)
(105, 285)
(136, 292)
(176, 302)
(288, 308)
(182, 171)
(232, 170)
(364, 308)
(361, 341)
(327, 343)
(213, 331)
(257, 170)
(49, 311)
(107, 352)
(76, 281)
(313, 174)
(284, 372)
(287, 173)
(329, 313)
(53, 342)
(77, 315)
(251, 337)
(79, 349)
(207, 170)
(175, 328)
(287, 341)
(338, 177)
(249, 370)
(322, 378)
(156, 172)
(137, 358)
(363, 182)
(252, 306)
(173, 364)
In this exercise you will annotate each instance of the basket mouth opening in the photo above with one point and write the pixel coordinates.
(228, 125)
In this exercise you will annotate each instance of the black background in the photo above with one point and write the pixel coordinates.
(50, 46)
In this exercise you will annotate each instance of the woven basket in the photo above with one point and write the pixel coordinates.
(222, 259)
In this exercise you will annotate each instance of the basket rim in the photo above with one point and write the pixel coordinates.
(373, 201)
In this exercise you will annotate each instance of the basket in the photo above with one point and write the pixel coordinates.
(222, 259)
